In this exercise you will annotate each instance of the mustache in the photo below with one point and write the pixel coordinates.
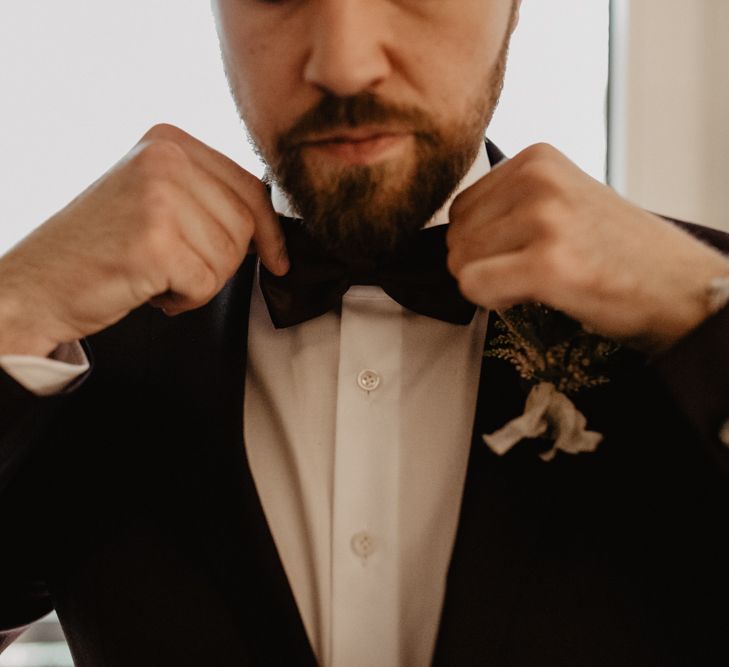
(334, 113)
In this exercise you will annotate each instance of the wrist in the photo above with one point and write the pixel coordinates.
(704, 297)
(18, 334)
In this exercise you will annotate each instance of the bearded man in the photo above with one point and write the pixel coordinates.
(252, 422)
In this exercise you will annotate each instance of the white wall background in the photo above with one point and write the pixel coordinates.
(556, 82)
(670, 124)
(82, 80)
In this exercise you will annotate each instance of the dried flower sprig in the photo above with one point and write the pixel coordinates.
(545, 345)
(558, 357)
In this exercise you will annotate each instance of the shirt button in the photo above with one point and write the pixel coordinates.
(363, 544)
(724, 433)
(368, 380)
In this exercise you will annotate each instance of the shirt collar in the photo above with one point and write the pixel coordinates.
(480, 167)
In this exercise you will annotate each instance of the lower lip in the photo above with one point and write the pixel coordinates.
(362, 152)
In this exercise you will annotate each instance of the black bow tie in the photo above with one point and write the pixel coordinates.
(416, 278)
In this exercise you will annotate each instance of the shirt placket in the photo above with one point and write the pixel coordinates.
(365, 591)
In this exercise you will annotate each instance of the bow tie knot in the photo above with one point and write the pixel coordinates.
(417, 278)
(363, 271)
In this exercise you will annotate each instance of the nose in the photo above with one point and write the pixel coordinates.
(348, 47)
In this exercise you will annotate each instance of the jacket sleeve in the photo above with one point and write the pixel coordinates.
(695, 371)
(25, 419)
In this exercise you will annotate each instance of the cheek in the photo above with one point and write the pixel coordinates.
(256, 63)
(455, 55)
(259, 58)
(263, 78)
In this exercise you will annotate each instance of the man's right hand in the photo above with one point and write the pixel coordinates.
(169, 224)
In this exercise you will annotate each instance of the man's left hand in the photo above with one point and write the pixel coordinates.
(537, 228)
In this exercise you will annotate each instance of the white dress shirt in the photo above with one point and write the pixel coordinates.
(357, 429)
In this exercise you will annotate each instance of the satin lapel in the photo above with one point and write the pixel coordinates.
(224, 526)
(503, 513)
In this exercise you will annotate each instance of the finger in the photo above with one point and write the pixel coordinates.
(206, 237)
(495, 191)
(483, 238)
(499, 282)
(221, 204)
(513, 180)
(191, 284)
(270, 240)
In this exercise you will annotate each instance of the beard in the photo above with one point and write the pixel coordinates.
(370, 211)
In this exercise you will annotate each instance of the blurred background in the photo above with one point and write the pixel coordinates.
(636, 92)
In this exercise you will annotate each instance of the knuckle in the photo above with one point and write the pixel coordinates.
(246, 224)
(157, 157)
(471, 283)
(148, 285)
(197, 286)
(561, 267)
(553, 262)
(148, 261)
(462, 212)
(541, 152)
(457, 209)
(204, 283)
(451, 236)
(453, 262)
(163, 131)
(229, 251)
(157, 201)
(160, 243)
(538, 173)
(548, 215)
(539, 162)
(230, 243)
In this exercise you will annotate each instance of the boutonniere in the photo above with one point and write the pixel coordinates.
(558, 358)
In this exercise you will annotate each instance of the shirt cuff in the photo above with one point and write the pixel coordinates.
(45, 376)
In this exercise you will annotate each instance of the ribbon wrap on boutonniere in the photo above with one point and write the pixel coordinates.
(559, 358)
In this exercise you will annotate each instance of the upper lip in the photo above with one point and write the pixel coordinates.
(358, 134)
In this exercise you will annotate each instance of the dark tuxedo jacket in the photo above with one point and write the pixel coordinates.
(127, 504)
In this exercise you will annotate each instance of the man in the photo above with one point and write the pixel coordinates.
(236, 481)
